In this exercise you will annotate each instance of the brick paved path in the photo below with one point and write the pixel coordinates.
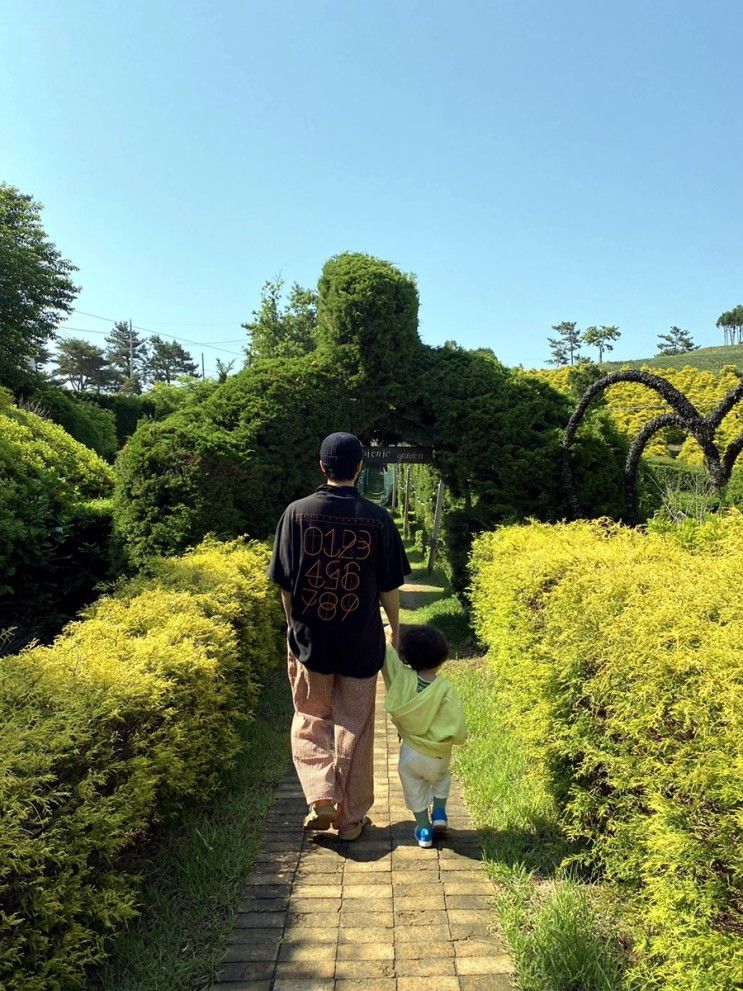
(379, 914)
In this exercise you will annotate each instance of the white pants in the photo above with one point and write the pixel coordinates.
(422, 777)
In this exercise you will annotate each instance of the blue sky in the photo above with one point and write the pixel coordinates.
(530, 161)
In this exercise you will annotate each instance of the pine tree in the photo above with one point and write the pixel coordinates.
(565, 347)
(676, 341)
(601, 338)
(168, 360)
(82, 365)
(127, 355)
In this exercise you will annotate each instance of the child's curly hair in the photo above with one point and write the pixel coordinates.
(423, 647)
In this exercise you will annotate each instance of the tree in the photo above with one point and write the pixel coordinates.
(41, 356)
(223, 369)
(676, 341)
(36, 289)
(731, 322)
(601, 338)
(127, 354)
(167, 361)
(278, 331)
(566, 347)
(82, 365)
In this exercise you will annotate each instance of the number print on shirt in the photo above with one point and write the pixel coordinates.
(334, 574)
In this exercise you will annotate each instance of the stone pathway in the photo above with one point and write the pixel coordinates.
(379, 914)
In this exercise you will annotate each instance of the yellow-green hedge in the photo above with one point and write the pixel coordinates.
(622, 655)
(131, 713)
(632, 405)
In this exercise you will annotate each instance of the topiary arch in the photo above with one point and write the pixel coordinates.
(685, 415)
(229, 464)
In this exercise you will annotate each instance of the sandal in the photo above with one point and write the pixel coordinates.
(353, 832)
(319, 817)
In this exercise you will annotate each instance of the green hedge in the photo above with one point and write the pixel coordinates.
(54, 514)
(131, 714)
(88, 423)
(621, 653)
(127, 410)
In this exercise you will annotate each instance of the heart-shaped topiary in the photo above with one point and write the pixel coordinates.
(684, 415)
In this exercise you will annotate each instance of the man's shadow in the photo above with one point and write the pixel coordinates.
(376, 842)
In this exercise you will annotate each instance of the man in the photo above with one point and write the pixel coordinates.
(335, 558)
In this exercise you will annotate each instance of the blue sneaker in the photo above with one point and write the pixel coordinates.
(439, 820)
(424, 836)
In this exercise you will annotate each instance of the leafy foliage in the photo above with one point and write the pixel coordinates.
(565, 348)
(601, 338)
(620, 657)
(631, 405)
(229, 464)
(128, 717)
(86, 422)
(287, 331)
(676, 341)
(226, 465)
(127, 354)
(36, 288)
(731, 322)
(82, 365)
(53, 524)
(168, 360)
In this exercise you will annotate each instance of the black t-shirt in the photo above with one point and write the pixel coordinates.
(335, 552)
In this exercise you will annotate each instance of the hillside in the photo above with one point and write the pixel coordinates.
(705, 359)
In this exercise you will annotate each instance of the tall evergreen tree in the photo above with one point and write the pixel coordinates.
(127, 355)
(168, 360)
(565, 347)
(601, 338)
(82, 365)
(731, 322)
(36, 288)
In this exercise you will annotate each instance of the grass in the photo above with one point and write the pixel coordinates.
(193, 871)
(563, 932)
(706, 359)
(436, 604)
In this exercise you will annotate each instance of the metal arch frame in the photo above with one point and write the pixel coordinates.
(685, 415)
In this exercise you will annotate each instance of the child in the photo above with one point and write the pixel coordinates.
(429, 718)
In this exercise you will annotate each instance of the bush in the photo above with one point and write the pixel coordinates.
(86, 422)
(228, 465)
(129, 716)
(54, 515)
(620, 652)
(631, 405)
(127, 410)
(497, 436)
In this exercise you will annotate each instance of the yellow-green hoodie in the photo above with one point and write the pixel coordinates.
(430, 721)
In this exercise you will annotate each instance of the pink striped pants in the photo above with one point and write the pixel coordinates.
(333, 739)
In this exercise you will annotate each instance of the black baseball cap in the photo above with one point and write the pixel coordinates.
(341, 453)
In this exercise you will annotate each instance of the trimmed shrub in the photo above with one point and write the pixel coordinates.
(621, 653)
(54, 515)
(229, 465)
(86, 422)
(127, 410)
(497, 435)
(631, 405)
(131, 714)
